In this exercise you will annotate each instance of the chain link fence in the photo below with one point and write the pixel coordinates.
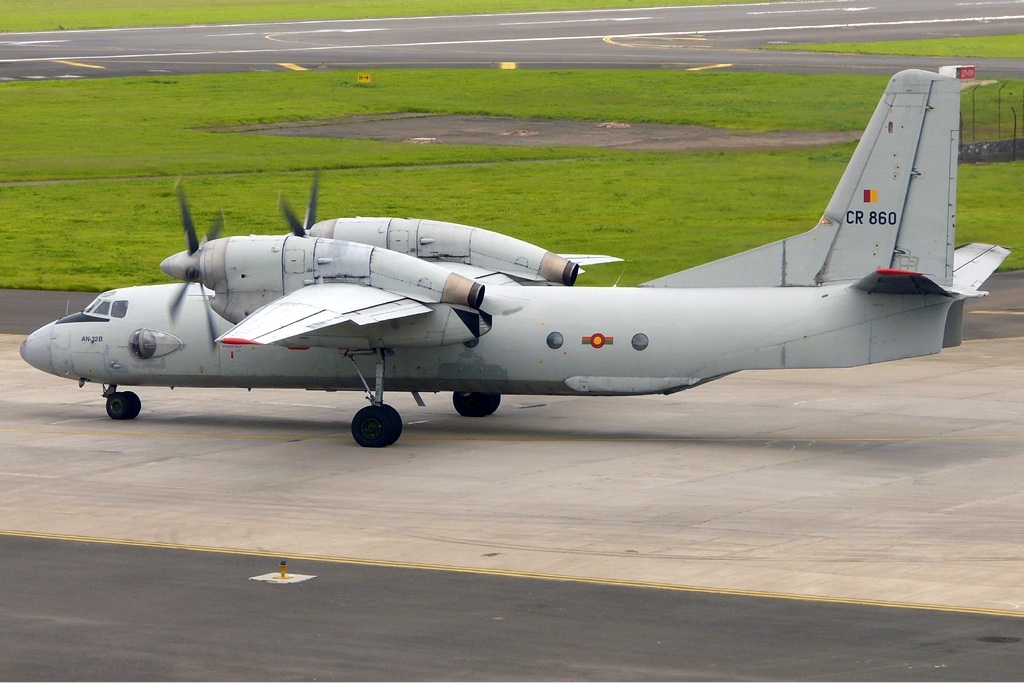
(992, 121)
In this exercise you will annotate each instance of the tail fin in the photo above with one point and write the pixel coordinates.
(894, 207)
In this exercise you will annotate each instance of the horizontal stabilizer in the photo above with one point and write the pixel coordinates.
(973, 264)
(893, 281)
(319, 306)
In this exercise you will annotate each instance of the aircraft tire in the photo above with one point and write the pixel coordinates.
(475, 404)
(376, 426)
(395, 427)
(123, 405)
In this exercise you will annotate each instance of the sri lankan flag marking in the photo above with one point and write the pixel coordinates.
(597, 340)
(870, 196)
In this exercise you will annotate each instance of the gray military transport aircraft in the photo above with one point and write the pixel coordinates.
(426, 306)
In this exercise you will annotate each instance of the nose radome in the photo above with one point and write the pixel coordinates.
(35, 350)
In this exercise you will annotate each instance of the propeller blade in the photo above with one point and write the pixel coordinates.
(211, 323)
(218, 225)
(311, 207)
(175, 307)
(186, 219)
(289, 215)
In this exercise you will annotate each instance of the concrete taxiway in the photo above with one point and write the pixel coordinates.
(896, 485)
(899, 482)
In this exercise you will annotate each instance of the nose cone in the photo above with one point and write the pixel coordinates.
(36, 349)
(182, 266)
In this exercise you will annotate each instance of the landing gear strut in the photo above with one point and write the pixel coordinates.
(378, 424)
(122, 405)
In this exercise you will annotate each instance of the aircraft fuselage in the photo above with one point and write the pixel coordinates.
(544, 340)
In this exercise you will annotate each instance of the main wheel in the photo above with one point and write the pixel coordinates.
(475, 404)
(123, 405)
(376, 426)
(396, 423)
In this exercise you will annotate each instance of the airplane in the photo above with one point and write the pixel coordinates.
(427, 306)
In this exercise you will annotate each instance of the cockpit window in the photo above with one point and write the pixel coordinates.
(103, 309)
(119, 309)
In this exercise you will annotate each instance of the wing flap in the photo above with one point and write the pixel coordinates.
(319, 306)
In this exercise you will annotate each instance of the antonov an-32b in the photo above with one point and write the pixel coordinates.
(425, 306)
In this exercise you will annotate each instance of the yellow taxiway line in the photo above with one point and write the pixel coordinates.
(627, 583)
(709, 66)
(293, 67)
(84, 66)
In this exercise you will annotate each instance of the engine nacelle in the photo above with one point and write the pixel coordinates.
(438, 241)
(249, 272)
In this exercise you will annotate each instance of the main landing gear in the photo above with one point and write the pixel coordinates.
(378, 424)
(475, 404)
(122, 405)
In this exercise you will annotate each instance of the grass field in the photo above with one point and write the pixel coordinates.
(153, 126)
(88, 167)
(988, 47)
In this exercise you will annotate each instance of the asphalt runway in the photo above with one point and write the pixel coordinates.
(182, 615)
(803, 525)
(701, 37)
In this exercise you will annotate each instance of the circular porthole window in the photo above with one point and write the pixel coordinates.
(640, 341)
(555, 340)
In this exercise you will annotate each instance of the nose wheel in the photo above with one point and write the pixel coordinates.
(122, 405)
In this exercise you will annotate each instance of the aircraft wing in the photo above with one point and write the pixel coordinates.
(318, 306)
(590, 259)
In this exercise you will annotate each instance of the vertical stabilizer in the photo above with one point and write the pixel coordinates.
(894, 207)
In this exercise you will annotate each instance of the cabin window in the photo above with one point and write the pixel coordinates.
(640, 341)
(555, 340)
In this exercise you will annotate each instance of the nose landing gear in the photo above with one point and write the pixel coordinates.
(122, 405)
